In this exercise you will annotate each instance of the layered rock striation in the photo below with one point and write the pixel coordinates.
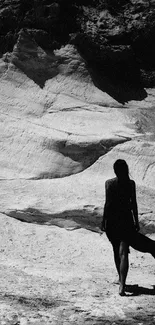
(68, 112)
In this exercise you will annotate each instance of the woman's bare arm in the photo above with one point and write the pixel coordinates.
(134, 206)
(107, 199)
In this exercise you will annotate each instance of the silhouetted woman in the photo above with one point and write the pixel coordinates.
(120, 220)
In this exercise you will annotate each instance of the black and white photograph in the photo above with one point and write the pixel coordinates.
(77, 162)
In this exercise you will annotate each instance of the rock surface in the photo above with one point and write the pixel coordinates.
(54, 276)
(64, 120)
(115, 37)
(61, 135)
(55, 123)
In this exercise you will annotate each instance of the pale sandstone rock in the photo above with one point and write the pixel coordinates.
(47, 270)
(57, 124)
(52, 132)
(59, 129)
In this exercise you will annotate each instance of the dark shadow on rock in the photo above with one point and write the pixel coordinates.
(137, 290)
(113, 68)
(133, 319)
(31, 301)
(37, 64)
(89, 217)
(85, 153)
(40, 74)
(147, 228)
(70, 219)
(111, 79)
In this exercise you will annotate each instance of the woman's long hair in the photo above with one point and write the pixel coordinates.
(121, 170)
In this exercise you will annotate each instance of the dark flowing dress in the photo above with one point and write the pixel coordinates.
(118, 218)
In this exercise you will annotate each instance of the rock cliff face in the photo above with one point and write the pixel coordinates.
(75, 95)
(50, 99)
(115, 37)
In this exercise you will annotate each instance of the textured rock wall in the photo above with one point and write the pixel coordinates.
(50, 125)
(115, 37)
(68, 112)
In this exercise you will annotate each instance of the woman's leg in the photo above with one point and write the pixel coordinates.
(116, 247)
(124, 266)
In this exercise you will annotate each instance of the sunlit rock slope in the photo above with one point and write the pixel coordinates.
(60, 135)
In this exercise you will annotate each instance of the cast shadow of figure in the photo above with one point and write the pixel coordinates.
(137, 290)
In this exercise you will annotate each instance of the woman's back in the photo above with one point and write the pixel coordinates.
(118, 197)
(120, 220)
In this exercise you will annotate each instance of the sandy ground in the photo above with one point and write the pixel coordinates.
(50, 275)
